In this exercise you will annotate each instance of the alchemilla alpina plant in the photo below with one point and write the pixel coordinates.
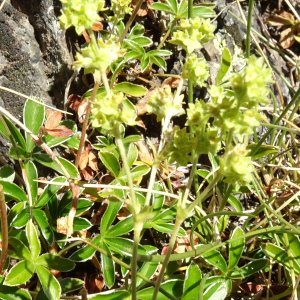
(153, 205)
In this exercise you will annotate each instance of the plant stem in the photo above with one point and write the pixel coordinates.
(138, 226)
(159, 279)
(151, 183)
(131, 19)
(4, 229)
(167, 34)
(248, 38)
(121, 147)
(105, 82)
(85, 123)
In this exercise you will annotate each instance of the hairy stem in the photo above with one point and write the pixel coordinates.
(4, 229)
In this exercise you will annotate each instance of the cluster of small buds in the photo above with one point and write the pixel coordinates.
(196, 70)
(236, 165)
(178, 146)
(99, 57)
(162, 104)
(192, 33)
(82, 14)
(119, 7)
(108, 112)
(250, 85)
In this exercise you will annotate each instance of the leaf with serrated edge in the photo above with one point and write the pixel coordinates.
(50, 284)
(20, 273)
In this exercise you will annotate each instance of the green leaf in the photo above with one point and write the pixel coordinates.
(19, 235)
(145, 62)
(167, 215)
(137, 172)
(249, 269)
(137, 31)
(70, 285)
(20, 273)
(121, 227)
(123, 246)
(235, 203)
(132, 155)
(49, 191)
(12, 293)
(22, 218)
(132, 55)
(82, 206)
(81, 224)
(111, 295)
(162, 7)
(236, 247)
(13, 192)
(294, 245)
(143, 41)
(130, 89)
(225, 65)
(263, 150)
(132, 139)
(158, 53)
(280, 256)
(111, 163)
(173, 5)
(50, 284)
(108, 266)
(199, 11)
(109, 216)
(14, 211)
(55, 262)
(43, 223)
(223, 221)
(33, 240)
(167, 228)
(33, 116)
(174, 287)
(73, 143)
(214, 258)
(192, 283)
(148, 269)
(216, 291)
(7, 173)
(31, 173)
(22, 153)
(86, 252)
(157, 200)
(17, 249)
(182, 7)
(15, 133)
(45, 160)
(159, 61)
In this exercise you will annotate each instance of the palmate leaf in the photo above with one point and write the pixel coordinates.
(17, 249)
(12, 293)
(55, 262)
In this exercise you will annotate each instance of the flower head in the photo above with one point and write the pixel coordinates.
(82, 14)
(192, 33)
(99, 57)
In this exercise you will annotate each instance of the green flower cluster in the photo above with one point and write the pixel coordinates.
(109, 112)
(98, 57)
(162, 104)
(120, 8)
(236, 165)
(192, 33)
(196, 70)
(82, 14)
(250, 86)
(178, 147)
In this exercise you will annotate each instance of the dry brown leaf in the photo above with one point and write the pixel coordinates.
(53, 120)
(83, 159)
(287, 38)
(82, 110)
(144, 154)
(139, 122)
(281, 18)
(143, 11)
(94, 283)
(97, 26)
(62, 225)
(93, 162)
(141, 106)
(170, 81)
(86, 36)
(87, 173)
(123, 213)
(180, 245)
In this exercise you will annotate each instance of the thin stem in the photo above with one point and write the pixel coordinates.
(4, 229)
(85, 123)
(121, 147)
(105, 82)
(131, 19)
(290, 258)
(137, 231)
(159, 279)
(248, 37)
(167, 34)
(151, 183)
